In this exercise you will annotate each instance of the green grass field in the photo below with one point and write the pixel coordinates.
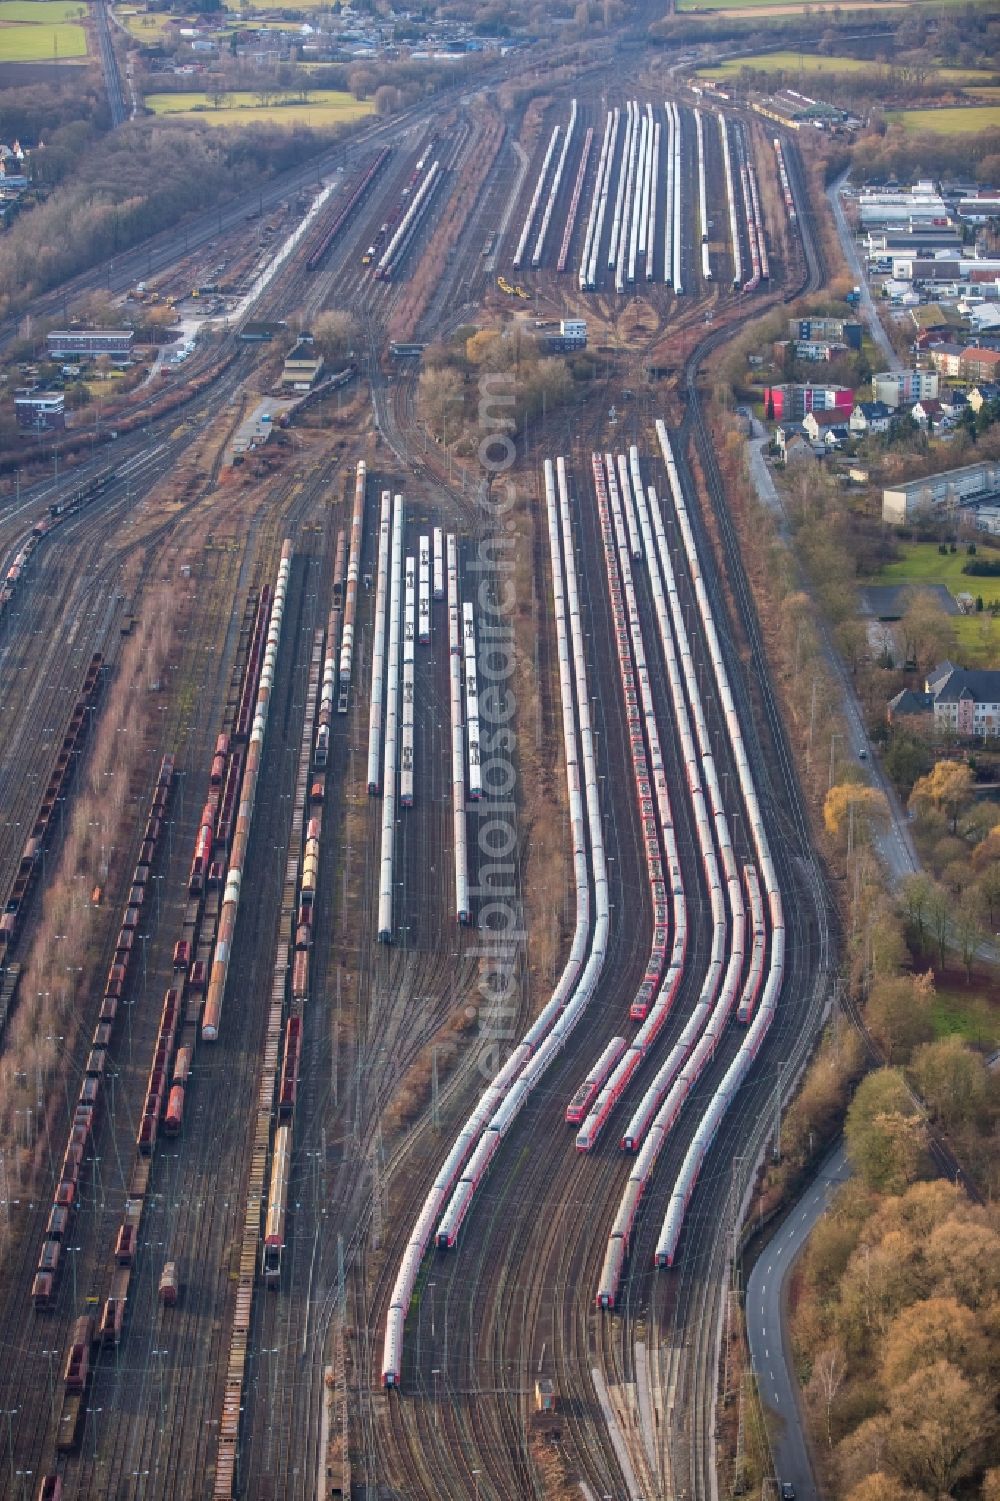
(325, 107)
(951, 122)
(791, 7)
(966, 1013)
(41, 31)
(147, 26)
(809, 62)
(978, 635)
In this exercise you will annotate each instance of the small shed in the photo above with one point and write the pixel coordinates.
(545, 1395)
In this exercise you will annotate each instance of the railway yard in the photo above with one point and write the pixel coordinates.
(366, 803)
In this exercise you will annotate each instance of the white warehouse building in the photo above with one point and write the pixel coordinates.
(955, 487)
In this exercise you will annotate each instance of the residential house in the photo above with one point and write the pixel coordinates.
(797, 449)
(870, 417)
(980, 364)
(909, 705)
(946, 359)
(817, 424)
(898, 388)
(966, 702)
(928, 413)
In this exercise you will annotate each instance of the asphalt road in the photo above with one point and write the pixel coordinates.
(867, 306)
(765, 1303)
(894, 842)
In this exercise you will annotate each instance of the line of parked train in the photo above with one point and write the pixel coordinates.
(574, 203)
(729, 983)
(351, 597)
(329, 688)
(374, 252)
(60, 511)
(345, 207)
(391, 753)
(89, 1099)
(738, 164)
(453, 1190)
(404, 590)
(695, 1046)
(179, 1020)
(463, 909)
(51, 807)
(426, 179)
(251, 770)
(661, 981)
(661, 1123)
(706, 261)
(298, 916)
(753, 218)
(786, 186)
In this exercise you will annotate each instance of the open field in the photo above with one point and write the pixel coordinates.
(951, 122)
(41, 12)
(811, 63)
(969, 1014)
(755, 8)
(148, 25)
(42, 41)
(923, 564)
(978, 635)
(324, 107)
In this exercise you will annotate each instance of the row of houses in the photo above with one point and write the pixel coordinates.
(825, 431)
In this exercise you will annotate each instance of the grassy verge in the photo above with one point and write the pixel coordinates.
(961, 121)
(323, 107)
(810, 62)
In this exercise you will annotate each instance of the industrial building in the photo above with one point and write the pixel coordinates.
(88, 344)
(920, 203)
(954, 487)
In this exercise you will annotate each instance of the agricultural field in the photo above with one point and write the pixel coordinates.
(757, 8)
(967, 120)
(33, 31)
(147, 25)
(978, 635)
(811, 63)
(323, 107)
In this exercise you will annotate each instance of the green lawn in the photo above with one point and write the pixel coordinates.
(325, 107)
(42, 12)
(783, 7)
(41, 44)
(949, 122)
(810, 62)
(148, 25)
(978, 635)
(921, 563)
(966, 1013)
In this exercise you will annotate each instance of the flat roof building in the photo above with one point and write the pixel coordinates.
(954, 487)
(88, 343)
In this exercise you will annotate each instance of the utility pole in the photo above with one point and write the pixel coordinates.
(812, 726)
(435, 1101)
(341, 1283)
